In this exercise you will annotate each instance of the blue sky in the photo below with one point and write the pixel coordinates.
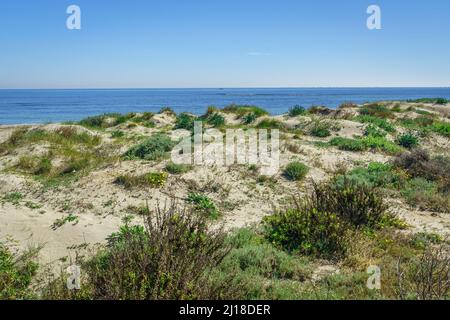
(227, 43)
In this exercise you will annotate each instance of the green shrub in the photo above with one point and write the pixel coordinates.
(381, 123)
(154, 148)
(374, 131)
(376, 110)
(170, 259)
(321, 110)
(152, 179)
(16, 274)
(377, 175)
(358, 204)
(443, 128)
(117, 134)
(177, 168)
(13, 197)
(408, 141)
(320, 128)
(296, 111)
(242, 110)
(307, 231)
(425, 195)
(100, 121)
(296, 171)
(270, 124)
(381, 143)
(204, 204)
(216, 120)
(185, 121)
(419, 164)
(249, 118)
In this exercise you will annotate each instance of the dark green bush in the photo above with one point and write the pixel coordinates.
(408, 141)
(376, 110)
(242, 110)
(381, 123)
(307, 231)
(296, 171)
(216, 120)
(249, 118)
(185, 121)
(296, 111)
(177, 168)
(374, 131)
(155, 147)
(16, 274)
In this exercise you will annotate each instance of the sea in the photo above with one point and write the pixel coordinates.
(47, 106)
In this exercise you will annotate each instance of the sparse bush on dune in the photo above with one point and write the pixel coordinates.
(185, 121)
(204, 205)
(320, 128)
(249, 118)
(374, 131)
(408, 141)
(296, 171)
(242, 110)
(154, 148)
(419, 164)
(177, 168)
(106, 120)
(167, 110)
(347, 144)
(296, 111)
(366, 143)
(376, 110)
(348, 105)
(306, 230)
(152, 179)
(320, 110)
(215, 119)
(441, 101)
(357, 204)
(269, 123)
(171, 259)
(378, 122)
(378, 175)
(16, 273)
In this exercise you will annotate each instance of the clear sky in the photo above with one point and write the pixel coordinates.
(227, 43)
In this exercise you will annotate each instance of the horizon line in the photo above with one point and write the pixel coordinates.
(224, 88)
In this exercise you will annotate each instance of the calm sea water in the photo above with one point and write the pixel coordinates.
(41, 106)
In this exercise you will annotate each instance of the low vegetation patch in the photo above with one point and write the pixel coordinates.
(430, 100)
(408, 141)
(296, 171)
(204, 205)
(296, 111)
(170, 259)
(242, 110)
(16, 273)
(365, 143)
(177, 168)
(154, 148)
(185, 121)
(152, 179)
(376, 110)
